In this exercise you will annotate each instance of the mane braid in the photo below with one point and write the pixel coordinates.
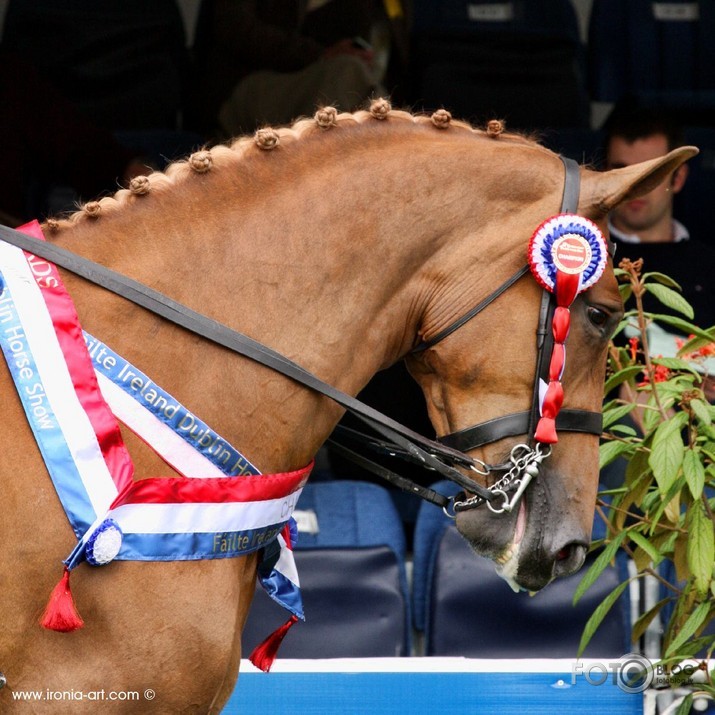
(212, 158)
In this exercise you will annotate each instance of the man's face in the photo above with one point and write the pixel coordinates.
(643, 213)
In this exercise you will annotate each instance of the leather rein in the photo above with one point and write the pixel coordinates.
(445, 456)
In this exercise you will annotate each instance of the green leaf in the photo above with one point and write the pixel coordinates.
(599, 614)
(662, 278)
(690, 627)
(672, 299)
(641, 625)
(698, 342)
(619, 329)
(701, 547)
(689, 649)
(694, 472)
(667, 503)
(624, 430)
(637, 467)
(615, 414)
(683, 325)
(675, 364)
(685, 706)
(621, 376)
(596, 568)
(702, 410)
(655, 556)
(610, 451)
(626, 291)
(667, 545)
(667, 452)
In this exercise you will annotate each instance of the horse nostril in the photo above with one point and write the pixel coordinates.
(570, 558)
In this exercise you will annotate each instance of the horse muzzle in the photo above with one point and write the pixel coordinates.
(532, 545)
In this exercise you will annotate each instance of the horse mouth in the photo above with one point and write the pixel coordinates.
(524, 562)
(507, 562)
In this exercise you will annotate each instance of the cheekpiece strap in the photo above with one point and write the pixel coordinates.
(567, 255)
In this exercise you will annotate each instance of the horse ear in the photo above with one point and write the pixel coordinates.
(610, 188)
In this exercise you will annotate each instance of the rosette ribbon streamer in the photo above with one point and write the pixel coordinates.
(567, 255)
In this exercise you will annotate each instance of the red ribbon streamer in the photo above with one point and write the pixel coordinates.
(566, 290)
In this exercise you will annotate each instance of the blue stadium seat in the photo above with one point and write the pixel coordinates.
(351, 561)
(465, 608)
(521, 61)
(661, 53)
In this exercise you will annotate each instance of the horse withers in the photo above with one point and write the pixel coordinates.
(342, 243)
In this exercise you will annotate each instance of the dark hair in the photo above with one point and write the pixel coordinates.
(633, 121)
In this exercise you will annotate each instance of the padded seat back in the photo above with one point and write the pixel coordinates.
(350, 557)
(521, 61)
(662, 52)
(472, 612)
(354, 607)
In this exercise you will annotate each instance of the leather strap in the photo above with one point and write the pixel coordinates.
(508, 283)
(572, 186)
(388, 475)
(518, 423)
(426, 451)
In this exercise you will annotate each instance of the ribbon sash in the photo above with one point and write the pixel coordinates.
(73, 388)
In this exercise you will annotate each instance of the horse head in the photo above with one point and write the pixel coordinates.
(547, 533)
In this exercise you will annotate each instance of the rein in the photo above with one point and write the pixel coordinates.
(429, 453)
(440, 456)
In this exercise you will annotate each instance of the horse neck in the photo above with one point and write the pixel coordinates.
(328, 268)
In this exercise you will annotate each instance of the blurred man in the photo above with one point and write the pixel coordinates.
(645, 227)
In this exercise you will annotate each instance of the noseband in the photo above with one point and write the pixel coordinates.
(445, 456)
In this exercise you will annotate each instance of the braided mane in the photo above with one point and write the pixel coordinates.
(266, 139)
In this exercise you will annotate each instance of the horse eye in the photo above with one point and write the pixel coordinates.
(597, 316)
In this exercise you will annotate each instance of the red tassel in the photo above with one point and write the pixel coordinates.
(265, 653)
(553, 399)
(60, 613)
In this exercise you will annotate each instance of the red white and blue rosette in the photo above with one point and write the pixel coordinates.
(571, 244)
(567, 255)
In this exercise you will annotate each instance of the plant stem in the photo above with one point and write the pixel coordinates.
(638, 291)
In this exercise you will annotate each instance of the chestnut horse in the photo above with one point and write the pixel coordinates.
(340, 242)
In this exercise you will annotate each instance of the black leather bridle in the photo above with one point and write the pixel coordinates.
(521, 423)
(445, 456)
